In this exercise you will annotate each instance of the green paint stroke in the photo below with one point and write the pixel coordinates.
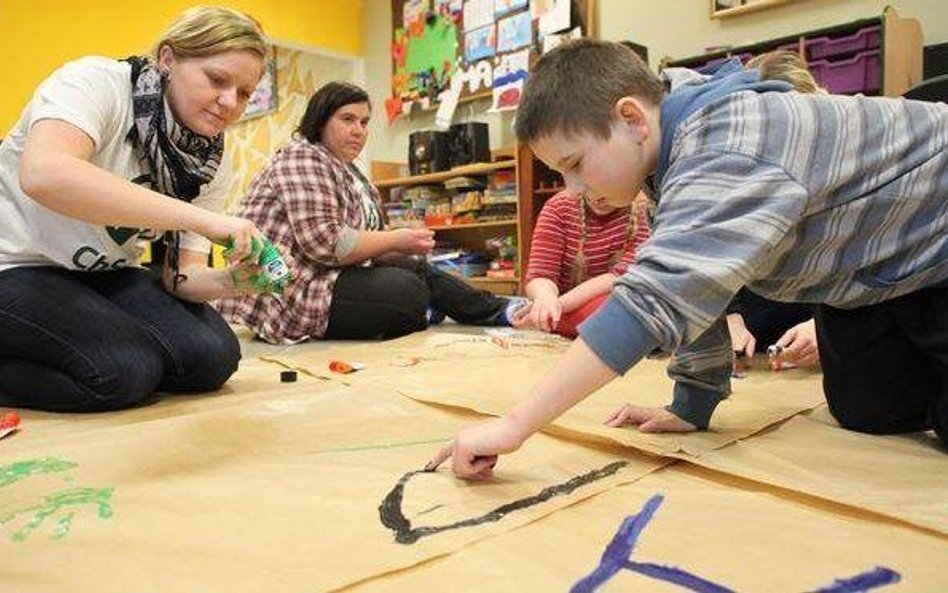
(10, 474)
(60, 507)
(438, 44)
(385, 446)
(63, 504)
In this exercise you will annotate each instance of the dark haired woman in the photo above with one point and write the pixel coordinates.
(353, 279)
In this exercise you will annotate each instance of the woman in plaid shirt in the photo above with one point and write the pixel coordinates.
(352, 278)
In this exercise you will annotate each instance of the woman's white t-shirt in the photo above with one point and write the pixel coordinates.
(94, 94)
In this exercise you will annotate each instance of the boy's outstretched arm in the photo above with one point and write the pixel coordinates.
(475, 449)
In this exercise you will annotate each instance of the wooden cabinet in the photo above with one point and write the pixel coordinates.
(875, 56)
(536, 183)
(468, 234)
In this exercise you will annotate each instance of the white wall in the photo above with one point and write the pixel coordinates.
(678, 28)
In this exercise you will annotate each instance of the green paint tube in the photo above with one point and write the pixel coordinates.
(274, 274)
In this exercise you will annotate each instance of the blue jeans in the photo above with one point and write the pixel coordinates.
(94, 341)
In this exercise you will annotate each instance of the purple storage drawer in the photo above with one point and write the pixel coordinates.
(823, 47)
(790, 47)
(859, 74)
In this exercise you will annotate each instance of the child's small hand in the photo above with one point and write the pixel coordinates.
(649, 419)
(742, 341)
(475, 449)
(545, 313)
(798, 345)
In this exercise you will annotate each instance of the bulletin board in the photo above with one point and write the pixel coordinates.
(488, 45)
(264, 97)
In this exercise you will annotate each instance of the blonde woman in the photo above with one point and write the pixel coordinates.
(108, 152)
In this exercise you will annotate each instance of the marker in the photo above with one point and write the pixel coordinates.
(343, 367)
(9, 422)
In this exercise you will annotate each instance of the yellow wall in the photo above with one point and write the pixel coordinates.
(37, 36)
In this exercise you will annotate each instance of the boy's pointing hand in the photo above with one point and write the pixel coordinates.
(475, 449)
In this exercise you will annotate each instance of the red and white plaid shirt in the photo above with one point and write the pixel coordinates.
(301, 201)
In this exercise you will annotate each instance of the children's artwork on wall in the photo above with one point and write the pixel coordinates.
(264, 97)
(434, 41)
(514, 32)
(413, 11)
(478, 13)
(509, 77)
(449, 6)
(478, 77)
(505, 7)
(555, 17)
(480, 43)
(554, 39)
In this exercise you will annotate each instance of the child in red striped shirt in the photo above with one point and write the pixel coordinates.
(579, 248)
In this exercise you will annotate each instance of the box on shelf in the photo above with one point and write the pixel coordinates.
(859, 74)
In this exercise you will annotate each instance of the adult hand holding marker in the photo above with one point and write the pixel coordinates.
(797, 347)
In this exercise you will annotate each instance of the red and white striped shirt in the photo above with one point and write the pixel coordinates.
(558, 234)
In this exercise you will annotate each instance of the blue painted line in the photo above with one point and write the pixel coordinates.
(618, 556)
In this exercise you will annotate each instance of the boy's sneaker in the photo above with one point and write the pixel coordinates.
(434, 315)
(514, 305)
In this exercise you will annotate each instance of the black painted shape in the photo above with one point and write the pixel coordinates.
(391, 515)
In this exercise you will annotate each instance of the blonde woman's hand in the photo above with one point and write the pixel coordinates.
(413, 241)
(221, 229)
(243, 277)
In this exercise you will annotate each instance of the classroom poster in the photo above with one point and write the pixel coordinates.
(555, 17)
(509, 76)
(478, 13)
(264, 97)
(505, 7)
(514, 32)
(480, 43)
(413, 11)
(449, 6)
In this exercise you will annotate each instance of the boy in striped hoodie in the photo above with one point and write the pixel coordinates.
(834, 200)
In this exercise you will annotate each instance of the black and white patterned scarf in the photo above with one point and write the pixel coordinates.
(178, 160)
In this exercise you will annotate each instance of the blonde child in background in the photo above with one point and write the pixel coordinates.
(579, 247)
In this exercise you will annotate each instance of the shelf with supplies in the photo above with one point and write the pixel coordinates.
(473, 210)
(874, 56)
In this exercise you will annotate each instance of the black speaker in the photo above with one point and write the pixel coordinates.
(429, 152)
(470, 143)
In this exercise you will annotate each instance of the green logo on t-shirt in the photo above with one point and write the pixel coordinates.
(121, 234)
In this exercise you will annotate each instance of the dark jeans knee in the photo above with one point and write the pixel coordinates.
(206, 359)
(123, 378)
(373, 302)
(406, 296)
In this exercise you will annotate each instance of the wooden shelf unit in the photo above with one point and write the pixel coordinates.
(468, 234)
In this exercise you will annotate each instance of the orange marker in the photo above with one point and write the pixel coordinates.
(342, 367)
(8, 423)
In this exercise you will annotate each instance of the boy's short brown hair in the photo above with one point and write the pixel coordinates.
(573, 89)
